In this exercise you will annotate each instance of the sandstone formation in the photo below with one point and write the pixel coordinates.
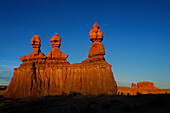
(96, 51)
(36, 54)
(144, 87)
(41, 75)
(133, 85)
(56, 54)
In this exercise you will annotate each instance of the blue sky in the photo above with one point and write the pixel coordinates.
(136, 34)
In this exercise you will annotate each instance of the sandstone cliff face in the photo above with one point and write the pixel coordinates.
(57, 79)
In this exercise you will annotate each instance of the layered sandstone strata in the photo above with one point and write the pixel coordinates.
(41, 75)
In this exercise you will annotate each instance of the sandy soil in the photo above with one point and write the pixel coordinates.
(79, 104)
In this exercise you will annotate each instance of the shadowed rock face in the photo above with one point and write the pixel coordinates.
(39, 75)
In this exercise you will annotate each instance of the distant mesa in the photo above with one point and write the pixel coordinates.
(41, 75)
(144, 87)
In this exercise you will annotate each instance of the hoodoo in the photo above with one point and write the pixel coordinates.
(96, 51)
(56, 54)
(41, 75)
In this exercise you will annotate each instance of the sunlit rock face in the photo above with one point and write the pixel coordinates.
(143, 87)
(146, 87)
(96, 51)
(56, 54)
(41, 75)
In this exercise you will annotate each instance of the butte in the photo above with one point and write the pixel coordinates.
(51, 75)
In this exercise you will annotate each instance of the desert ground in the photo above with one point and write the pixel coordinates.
(75, 103)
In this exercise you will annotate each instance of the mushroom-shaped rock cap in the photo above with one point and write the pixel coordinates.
(35, 39)
(55, 38)
(96, 25)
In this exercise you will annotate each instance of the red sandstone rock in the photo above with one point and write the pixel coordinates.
(141, 88)
(36, 54)
(133, 85)
(96, 51)
(38, 76)
(96, 34)
(23, 58)
(97, 48)
(56, 54)
(145, 85)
